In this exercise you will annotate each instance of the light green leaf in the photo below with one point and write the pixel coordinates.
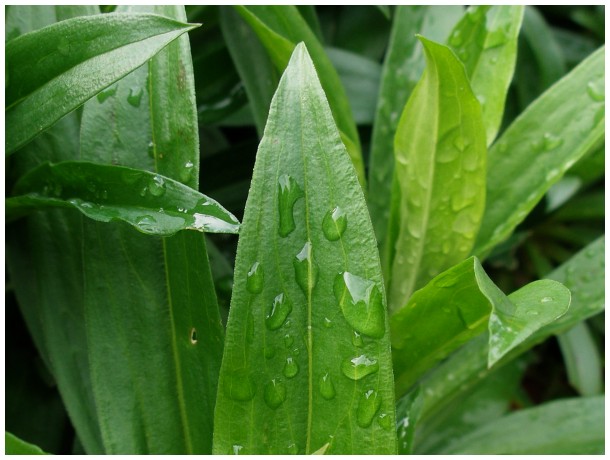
(170, 331)
(566, 427)
(538, 147)
(280, 28)
(583, 274)
(153, 204)
(15, 446)
(458, 305)
(307, 356)
(402, 69)
(486, 42)
(259, 76)
(440, 175)
(54, 70)
(582, 360)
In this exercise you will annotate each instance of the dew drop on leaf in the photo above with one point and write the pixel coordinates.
(359, 367)
(327, 388)
(357, 339)
(104, 95)
(288, 340)
(596, 91)
(369, 405)
(361, 303)
(156, 186)
(291, 368)
(280, 309)
(306, 269)
(187, 171)
(254, 279)
(551, 142)
(275, 393)
(239, 385)
(546, 299)
(289, 192)
(135, 97)
(147, 224)
(293, 449)
(456, 39)
(385, 421)
(334, 224)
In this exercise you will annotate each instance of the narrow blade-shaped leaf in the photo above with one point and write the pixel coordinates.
(153, 204)
(583, 363)
(537, 148)
(486, 42)
(402, 69)
(566, 427)
(280, 28)
(440, 174)
(56, 69)
(458, 305)
(307, 356)
(583, 274)
(174, 336)
(15, 446)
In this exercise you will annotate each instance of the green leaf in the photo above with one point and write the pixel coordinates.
(402, 69)
(54, 70)
(423, 333)
(280, 28)
(486, 42)
(259, 76)
(23, 19)
(15, 446)
(440, 175)
(536, 150)
(166, 283)
(408, 410)
(582, 360)
(565, 427)
(583, 274)
(307, 355)
(153, 204)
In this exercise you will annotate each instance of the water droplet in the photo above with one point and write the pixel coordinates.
(459, 143)
(109, 92)
(357, 339)
(147, 224)
(280, 309)
(235, 449)
(546, 299)
(291, 368)
(537, 144)
(361, 303)
(385, 421)
(239, 385)
(151, 149)
(306, 269)
(275, 393)
(464, 55)
(293, 449)
(327, 388)
(187, 171)
(269, 351)
(369, 404)
(359, 367)
(288, 340)
(156, 186)
(255, 277)
(135, 97)
(533, 313)
(193, 336)
(553, 174)
(334, 224)
(289, 192)
(328, 322)
(596, 91)
(551, 142)
(456, 39)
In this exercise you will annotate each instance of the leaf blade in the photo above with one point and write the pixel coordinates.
(286, 291)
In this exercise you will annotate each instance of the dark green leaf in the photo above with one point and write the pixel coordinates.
(402, 69)
(440, 175)
(486, 42)
(536, 150)
(307, 355)
(15, 446)
(280, 28)
(408, 410)
(54, 70)
(153, 204)
(565, 427)
(424, 333)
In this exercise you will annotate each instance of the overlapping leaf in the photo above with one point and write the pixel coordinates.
(307, 356)
(15, 446)
(439, 176)
(54, 70)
